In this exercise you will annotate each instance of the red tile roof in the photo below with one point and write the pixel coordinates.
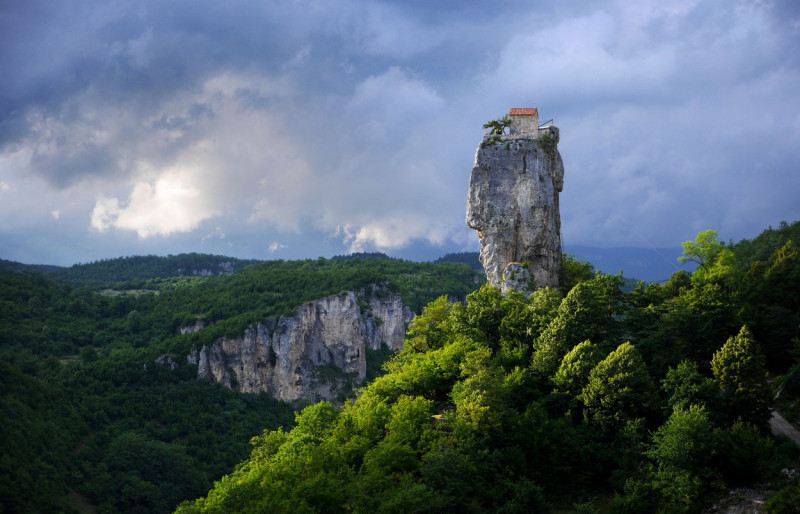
(523, 111)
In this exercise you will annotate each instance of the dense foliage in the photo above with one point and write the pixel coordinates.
(471, 259)
(134, 270)
(90, 412)
(655, 400)
(643, 400)
(18, 266)
(762, 246)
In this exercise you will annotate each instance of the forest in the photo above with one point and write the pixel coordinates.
(596, 397)
(90, 417)
(655, 400)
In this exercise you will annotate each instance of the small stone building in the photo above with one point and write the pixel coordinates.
(524, 120)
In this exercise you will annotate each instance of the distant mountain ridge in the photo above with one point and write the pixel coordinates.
(18, 266)
(648, 264)
(471, 259)
(140, 268)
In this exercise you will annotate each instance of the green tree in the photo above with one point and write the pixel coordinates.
(143, 474)
(482, 316)
(619, 388)
(497, 126)
(704, 250)
(479, 398)
(762, 246)
(739, 370)
(744, 453)
(134, 322)
(524, 319)
(685, 386)
(683, 449)
(571, 271)
(724, 271)
(716, 263)
(429, 330)
(773, 305)
(786, 500)
(544, 305)
(691, 326)
(587, 313)
(88, 354)
(573, 374)
(685, 441)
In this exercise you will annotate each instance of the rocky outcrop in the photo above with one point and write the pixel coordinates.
(317, 354)
(223, 268)
(199, 325)
(167, 361)
(513, 205)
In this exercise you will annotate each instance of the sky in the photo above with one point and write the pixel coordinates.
(293, 129)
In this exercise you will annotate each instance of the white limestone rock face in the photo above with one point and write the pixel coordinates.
(245, 363)
(387, 319)
(513, 205)
(516, 276)
(199, 325)
(317, 354)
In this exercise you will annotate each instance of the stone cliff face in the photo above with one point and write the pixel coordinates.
(317, 354)
(197, 327)
(223, 268)
(513, 205)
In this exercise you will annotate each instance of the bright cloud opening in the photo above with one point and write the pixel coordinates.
(165, 207)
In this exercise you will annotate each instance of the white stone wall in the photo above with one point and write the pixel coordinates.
(524, 125)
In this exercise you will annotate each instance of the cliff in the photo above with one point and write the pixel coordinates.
(317, 354)
(513, 205)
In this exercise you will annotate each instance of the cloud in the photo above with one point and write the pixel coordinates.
(275, 246)
(390, 102)
(384, 29)
(390, 232)
(169, 205)
(203, 153)
(270, 139)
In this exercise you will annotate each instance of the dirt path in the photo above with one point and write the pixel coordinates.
(779, 425)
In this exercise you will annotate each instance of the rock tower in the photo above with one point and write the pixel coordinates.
(513, 202)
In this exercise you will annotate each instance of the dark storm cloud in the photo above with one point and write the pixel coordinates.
(71, 57)
(74, 57)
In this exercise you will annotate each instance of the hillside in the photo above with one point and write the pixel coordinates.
(105, 369)
(103, 404)
(648, 264)
(136, 269)
(761, 247)
(654, 400)
(471, 259)
(18, 266)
